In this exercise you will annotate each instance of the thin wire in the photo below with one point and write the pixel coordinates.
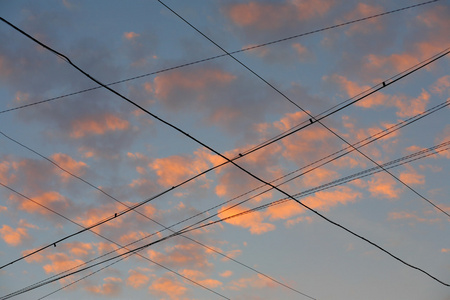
(374, 89)
(395, 163)
(227, 159)
(312, 121)
(305, 111)
(222, 55)
(145, 216)
(109, 240)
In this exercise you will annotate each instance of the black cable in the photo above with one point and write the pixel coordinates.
(148, 218)
(305, 111)
(312, 121)
(111, 241)
(221, 155)
(222, 55)
(395, 163)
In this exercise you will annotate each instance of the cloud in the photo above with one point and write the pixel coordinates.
(5, 172)
(13, 237)
(383, 185)
(97, 125)
(68, 163)
(50, 199)
(200, 277)
(268, 16)
(441, 86)
(167, 287)
(369, 26)
(412, 216)
(411, 177)
(257, 281)
(137, 279)
(130, 35)
(226, 274)
(60, 262)
(111, 287)
(181, 256)
(253, 221)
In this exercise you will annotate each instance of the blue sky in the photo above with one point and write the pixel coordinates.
(130, 156)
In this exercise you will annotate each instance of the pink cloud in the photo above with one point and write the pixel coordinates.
(60, 262)
(137, 279)
(51, 199)
(256, 281)
(383, 185)
(253, 221)
(13, 237)
(68, 163)
(268, 16)
(441, 86)
(130, 35)
(181, 255)
(97, 125)
(111, 287)
(167, 287)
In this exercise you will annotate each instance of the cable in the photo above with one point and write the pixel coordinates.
(222, 55)
(148, 218)
(305, 111)
(227, 159)
(109, 240)
(395, 163)
(331, 131)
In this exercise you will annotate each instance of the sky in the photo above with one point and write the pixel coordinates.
(88, 154)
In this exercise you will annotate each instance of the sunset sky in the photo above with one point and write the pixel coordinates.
(87, 154)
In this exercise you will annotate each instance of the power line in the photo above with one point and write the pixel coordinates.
(148, 218)
(111, 241)
(385, 84)
(367, 141)
(312, 121)
(221, 155)
(395, 163)
(222, 55)
(295, 129)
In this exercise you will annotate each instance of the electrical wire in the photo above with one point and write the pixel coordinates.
(221, 155)
(148, 218)
(222, 55)
(385, 84)
(288, 133)
(392, 164)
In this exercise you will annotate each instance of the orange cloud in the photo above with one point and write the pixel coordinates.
(60, 262)
(263, 16)
(181, 255)
(383, 185)
(13, 237)
(167, 287)
(52, 199)
(68, 163)
(130, 35)
(364, 10)
(174, 169)
(412, 177)
(5, 176)
(111, 287)
(258, 281)
(252, 221)
(97, 125)
(441, 86)
(94, 215)
(318, 177)
(226, 274)
(403, 215)
(137, 279)
(412, 107)
(79, 248)
(199, 277)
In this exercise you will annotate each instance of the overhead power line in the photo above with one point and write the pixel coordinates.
(148, 218)
(392, 164)
(384, 84)
(368, 140)
(222, 55)
(221, 155)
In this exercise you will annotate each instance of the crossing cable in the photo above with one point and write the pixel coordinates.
(261, 207)
(395, 163)
(302, 109)
(277, 138)
(326, 127)
(222, 55)
(221, 155)
(148, 218)
(109, 240)
(375, 137)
